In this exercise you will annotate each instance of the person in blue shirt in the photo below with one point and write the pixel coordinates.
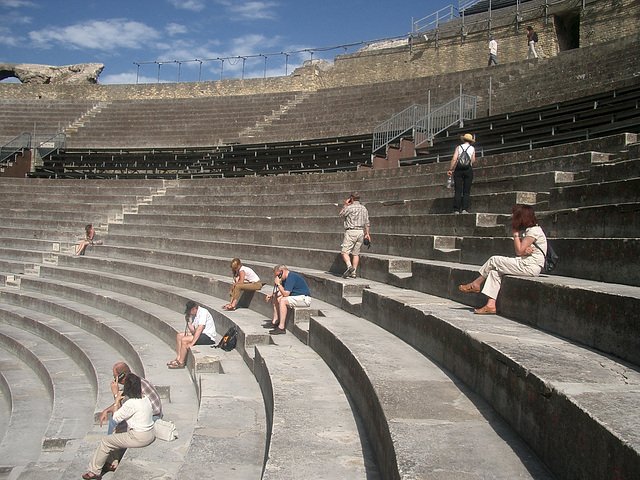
(289, 290)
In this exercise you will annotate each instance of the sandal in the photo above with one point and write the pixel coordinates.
(172, 362)
(486, 310)
(229, 307)
(177, 365)
(469, 288)
(91, 475)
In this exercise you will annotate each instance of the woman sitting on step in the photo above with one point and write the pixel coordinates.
(90, 239)
(138, 413)
(528, 262)
(244, 278)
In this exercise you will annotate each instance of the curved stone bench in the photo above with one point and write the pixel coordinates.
(423, 423)
(353, 459)
(260, 363)
(557, 395)
(72, 393)
(31, 408)
(179, 396)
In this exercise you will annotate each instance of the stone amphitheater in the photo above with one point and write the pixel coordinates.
(387, 376)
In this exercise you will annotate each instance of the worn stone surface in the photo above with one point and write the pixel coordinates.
(82, 73)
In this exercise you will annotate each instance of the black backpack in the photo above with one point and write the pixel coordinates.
(464, 159)
(229, 340)
(535, 37)
(550, 259)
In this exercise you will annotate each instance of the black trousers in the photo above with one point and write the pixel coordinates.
(462, 183)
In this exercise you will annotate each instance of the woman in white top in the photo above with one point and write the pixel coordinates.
(138, 413)
(528, 262)
(244, 278)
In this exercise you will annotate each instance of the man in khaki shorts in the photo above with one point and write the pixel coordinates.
(356, 230)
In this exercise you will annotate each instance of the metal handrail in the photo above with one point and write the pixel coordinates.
(423, 123)
(434, 20)
(456, 111)
(398, 125)
(47, 143)
(16, 144)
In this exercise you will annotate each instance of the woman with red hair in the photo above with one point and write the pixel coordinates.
(528, 262)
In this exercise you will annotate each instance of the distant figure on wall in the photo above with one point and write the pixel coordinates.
(461, 168)
(493, 51)
(532, 39)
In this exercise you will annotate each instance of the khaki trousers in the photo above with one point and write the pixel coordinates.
(117, 441)
(497, 266)
(237, 289)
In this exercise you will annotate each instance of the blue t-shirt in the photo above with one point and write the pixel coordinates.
(296, 285)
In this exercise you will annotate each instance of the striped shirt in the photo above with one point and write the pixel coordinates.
(151, 393)
(355, 216)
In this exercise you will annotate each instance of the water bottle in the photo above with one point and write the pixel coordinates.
(449, 181)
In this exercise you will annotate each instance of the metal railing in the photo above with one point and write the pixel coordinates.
(431, 22)
(423, 123)
(398, 125)
(456, 111)
(43, 144)
(47, 143)
(16, 144)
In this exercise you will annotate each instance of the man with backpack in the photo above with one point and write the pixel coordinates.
(461, 168)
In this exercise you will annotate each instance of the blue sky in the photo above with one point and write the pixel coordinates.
(120, 33)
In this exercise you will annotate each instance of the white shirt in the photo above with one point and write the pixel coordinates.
(249, 275)
(138, 414)
(203, 317)
(493, 47)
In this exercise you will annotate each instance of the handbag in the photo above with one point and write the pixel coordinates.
(165, 430)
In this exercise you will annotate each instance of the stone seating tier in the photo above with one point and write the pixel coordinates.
(395, 295)
(28, 413)
(288, 390)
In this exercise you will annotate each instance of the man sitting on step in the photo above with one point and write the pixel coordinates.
(120, 371)
(290, 290)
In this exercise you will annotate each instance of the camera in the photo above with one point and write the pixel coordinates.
(280, 275)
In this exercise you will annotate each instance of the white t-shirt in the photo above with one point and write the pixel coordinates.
(203, 317)
(137, 412)
(537, 257)
(468, 148)
(249, 275)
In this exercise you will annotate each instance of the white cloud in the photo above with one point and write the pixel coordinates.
(17, 3)
(176, 29)
(193, 5)
(105, 35)
(253, 43)
(251, 10)
(126, 78)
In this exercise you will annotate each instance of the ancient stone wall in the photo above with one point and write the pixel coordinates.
(455, 47)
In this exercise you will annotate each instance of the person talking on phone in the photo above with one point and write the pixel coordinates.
(120, 371)
(289, 290)
(356, 230)
(200, 329)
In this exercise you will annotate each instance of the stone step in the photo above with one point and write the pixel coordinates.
(423, 423)
(72, 393)
(97, 356)
(309, 414)
(30, 412)
(532, 378)
(176, 389)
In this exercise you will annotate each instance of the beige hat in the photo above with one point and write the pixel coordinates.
(467, 137)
